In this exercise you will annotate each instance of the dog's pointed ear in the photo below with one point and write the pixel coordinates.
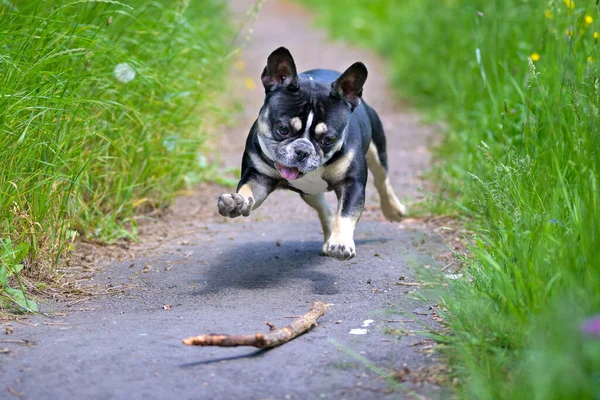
(350, 84)
(280, 70)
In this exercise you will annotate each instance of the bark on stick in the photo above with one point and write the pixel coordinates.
(273, 338)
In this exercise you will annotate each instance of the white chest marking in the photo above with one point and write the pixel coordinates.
(311, 183)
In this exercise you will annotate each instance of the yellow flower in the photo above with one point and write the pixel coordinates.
(588, 20)
(570, 4)
(595, 35)
(240, 64)
(548, 14)
(249, 83)
(591, 59)
(534, 57)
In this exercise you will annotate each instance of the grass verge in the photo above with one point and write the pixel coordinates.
(518, 84)
(102, 110)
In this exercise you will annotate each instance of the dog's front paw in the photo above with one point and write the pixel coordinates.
(234, 204)
(340, 249)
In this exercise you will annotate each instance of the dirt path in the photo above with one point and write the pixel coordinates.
(230, 276)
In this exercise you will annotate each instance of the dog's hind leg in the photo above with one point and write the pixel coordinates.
(377, 163)
(318, 202)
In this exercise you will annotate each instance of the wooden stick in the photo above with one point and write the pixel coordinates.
(273, 338)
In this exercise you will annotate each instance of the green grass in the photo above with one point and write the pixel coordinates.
(520, 161)
(82, 148)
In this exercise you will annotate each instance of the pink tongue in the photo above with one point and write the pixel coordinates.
(290, 173)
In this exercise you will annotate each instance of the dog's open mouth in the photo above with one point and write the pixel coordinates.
(289, 173)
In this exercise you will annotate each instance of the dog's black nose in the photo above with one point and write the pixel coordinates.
(301, 155)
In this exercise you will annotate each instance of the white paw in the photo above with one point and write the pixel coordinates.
(340, 249)
(234, 204)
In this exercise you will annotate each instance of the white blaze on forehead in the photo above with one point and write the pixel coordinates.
(309, 121)
(296, 124)
(321, 128)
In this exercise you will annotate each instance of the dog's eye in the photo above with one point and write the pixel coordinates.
(328, 140)
(283, 130)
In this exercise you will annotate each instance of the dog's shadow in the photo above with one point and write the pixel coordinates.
(260, 265)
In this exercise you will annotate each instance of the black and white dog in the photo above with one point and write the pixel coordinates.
(314, 134)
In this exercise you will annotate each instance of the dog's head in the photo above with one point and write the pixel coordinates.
(303, 121)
